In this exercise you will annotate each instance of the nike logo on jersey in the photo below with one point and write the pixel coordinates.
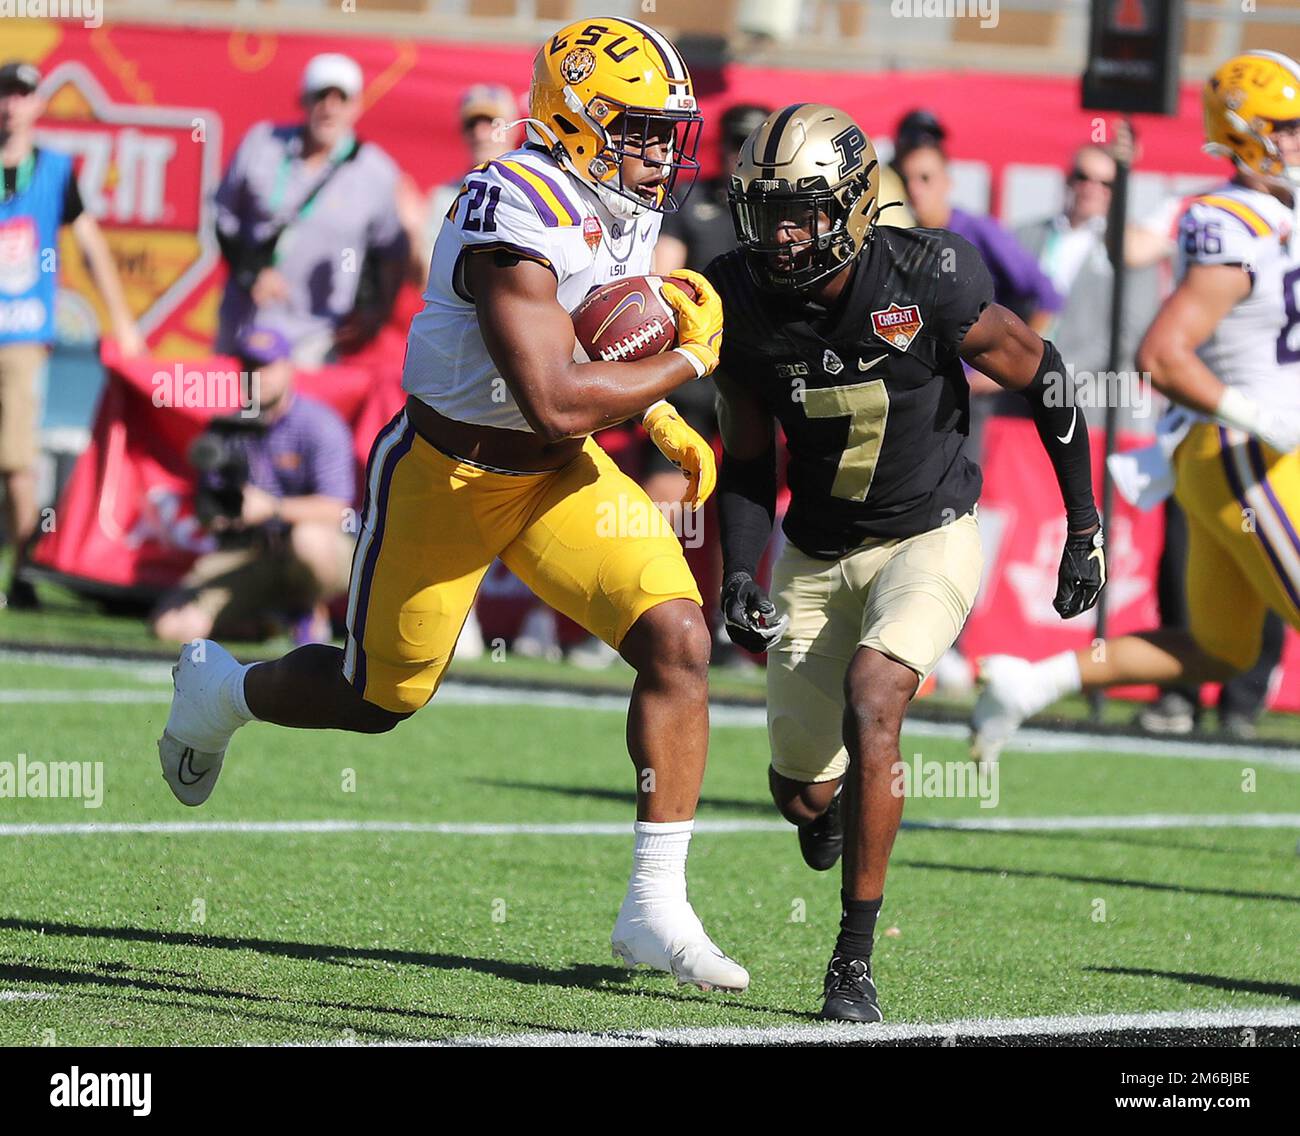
(1065, 439)
(864, 366)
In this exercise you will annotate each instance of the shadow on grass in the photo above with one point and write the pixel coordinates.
(624, 796)
(1111, 881)
(1214, 981)
(94, 977)
(1104, 836)
(578, 974)
(613, 980)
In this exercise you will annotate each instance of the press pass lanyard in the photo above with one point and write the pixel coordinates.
(22, 177)
(342, 151)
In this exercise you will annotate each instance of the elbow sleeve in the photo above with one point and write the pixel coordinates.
(1064, 435)
(747, 507)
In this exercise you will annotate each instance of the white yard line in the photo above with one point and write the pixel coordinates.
(25, 996)
(831, 1033)
(142, 670)
(1030, 741)
(72, 697)
(1141, 821)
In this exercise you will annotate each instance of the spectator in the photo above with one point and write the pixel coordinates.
(308, 223)
(276, 490)
(488, 115)
(702, 228)
(922, 164)
(1071, 251)
(39, 195)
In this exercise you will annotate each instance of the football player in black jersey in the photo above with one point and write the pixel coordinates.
(852, 335)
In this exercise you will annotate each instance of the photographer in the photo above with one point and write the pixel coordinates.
(276, 489)
(307, 221)
(38, 197)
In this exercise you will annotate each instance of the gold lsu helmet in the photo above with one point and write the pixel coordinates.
(805, 160)
(1245, 100)
(602, 88)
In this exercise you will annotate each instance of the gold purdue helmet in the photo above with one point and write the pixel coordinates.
(806, 160)
(1245, 100)
(602, 88)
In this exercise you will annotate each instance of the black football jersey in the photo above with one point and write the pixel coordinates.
(871, 394)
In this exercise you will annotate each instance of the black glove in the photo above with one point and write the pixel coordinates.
(751, 617)
(1082, 574)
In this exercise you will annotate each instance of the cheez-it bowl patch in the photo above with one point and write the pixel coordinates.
(897, 326)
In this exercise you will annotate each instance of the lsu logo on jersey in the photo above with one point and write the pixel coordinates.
(897, 326)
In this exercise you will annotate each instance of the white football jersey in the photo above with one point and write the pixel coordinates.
(526, 204)
(1256, 346)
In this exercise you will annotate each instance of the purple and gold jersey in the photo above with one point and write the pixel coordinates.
(524, 205)
(1256, 346)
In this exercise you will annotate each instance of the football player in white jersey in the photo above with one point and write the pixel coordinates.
(493, 457)
(1225, 346)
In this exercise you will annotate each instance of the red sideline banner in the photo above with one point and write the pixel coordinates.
(1023, 528)
(125, 523)
(152, 116)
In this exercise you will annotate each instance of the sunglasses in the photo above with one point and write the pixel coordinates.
(1079, 175)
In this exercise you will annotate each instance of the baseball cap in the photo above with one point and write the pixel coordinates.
(332, 70)
(264, 345)
(16, 73)
(488, 100)
(741, 120)
(919, 127)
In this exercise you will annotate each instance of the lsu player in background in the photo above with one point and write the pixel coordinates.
(1226, 346)
(493, 457)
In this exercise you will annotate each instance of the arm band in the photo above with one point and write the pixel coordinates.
(1064, 435)
(747, 507)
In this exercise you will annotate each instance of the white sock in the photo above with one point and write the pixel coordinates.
(232, 693)
(1059, 676)
(659, 862)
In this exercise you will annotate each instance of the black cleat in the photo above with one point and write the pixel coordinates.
(822, 841)
(21, 596)
(850, 994)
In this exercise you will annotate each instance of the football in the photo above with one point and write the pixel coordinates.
(626, 320)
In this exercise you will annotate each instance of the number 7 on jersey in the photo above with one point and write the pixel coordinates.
(867, 407)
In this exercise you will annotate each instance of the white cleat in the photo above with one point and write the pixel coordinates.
(200, 724)
(1006, 700)
(686, 952)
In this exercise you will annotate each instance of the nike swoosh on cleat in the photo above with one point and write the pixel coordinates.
(186, 766)
(867, 366)
(1065, 441)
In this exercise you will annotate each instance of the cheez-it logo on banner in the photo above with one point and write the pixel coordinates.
(147, 174)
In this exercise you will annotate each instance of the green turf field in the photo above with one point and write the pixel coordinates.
(162, 937)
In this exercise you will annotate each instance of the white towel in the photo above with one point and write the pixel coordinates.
(1145, 477)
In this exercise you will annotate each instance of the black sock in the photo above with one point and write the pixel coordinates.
(857, 927)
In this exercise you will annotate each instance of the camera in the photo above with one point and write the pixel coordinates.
(221, 459)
